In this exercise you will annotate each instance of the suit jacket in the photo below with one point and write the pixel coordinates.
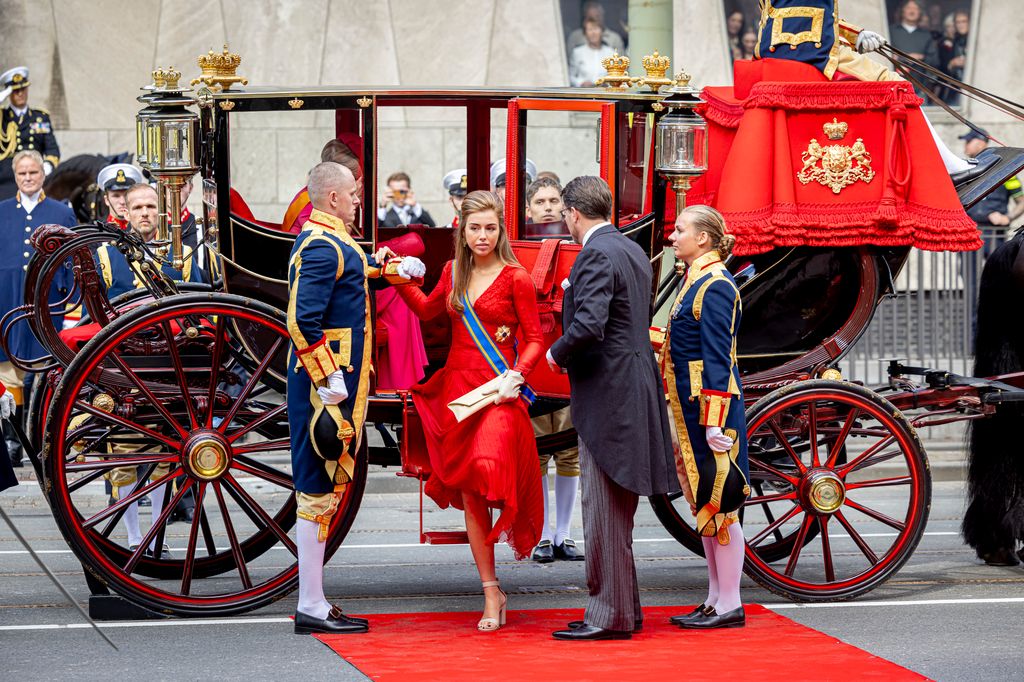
(392, 219)
(617, 395)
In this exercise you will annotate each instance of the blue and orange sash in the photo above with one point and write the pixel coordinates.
(485, 344)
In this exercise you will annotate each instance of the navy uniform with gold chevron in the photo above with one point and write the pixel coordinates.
(22, 127)
(118, 276)
(329, 278)
(704, 390)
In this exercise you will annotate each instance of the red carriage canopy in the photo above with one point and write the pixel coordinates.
(797, 160)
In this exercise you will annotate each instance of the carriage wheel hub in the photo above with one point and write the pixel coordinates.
(207, 456)
(823, 491)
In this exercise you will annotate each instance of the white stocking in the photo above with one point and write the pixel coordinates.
(709, 552)
(729, 565)
(546, 535)
(565, 500)
(951, 161)
(157, 497)
(131, 524)
(312, 601)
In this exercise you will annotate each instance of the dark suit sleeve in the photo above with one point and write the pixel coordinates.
(426, 219)
(593, 285)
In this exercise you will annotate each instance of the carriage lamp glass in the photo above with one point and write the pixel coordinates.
(171, 141)
(682, 137)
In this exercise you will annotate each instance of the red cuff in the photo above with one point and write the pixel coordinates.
(318, 360)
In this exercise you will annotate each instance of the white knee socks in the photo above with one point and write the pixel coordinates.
(709, 552)
(157, 497)
(729, 566)
(312, 601)
(546, 534)
(131, 524)
(565, 500)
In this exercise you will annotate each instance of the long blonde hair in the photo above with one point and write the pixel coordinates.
(476, 202)
(707, 219)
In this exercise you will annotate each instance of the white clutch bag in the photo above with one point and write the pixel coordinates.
(480, 397)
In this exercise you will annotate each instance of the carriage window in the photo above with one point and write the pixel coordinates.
(560, 145)
(634, 143)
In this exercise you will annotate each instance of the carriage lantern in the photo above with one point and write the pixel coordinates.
(682, 139)
(167, 135)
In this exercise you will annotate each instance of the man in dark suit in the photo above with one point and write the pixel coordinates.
(618, 404)
(398, 205)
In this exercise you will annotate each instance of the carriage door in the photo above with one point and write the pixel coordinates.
(569, 139)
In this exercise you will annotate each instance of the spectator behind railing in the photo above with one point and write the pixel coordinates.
(953, 50)
(585, 60)
(595, 11)
(748, 44)
(908, 35)
(734, 25)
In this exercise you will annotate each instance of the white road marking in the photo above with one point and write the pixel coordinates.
(409, 545)
(281, 620)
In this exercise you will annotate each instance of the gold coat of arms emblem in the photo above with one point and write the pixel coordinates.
(835, 165)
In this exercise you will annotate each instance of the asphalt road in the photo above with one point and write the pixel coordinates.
(944, 615)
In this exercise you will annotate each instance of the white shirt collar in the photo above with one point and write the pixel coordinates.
(909, 28)
(30, 202)
(19, 112)
(591, 232)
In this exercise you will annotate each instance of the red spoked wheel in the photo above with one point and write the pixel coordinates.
(186, 393)
(836, 461)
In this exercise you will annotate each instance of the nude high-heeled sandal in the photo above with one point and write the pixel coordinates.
(492, 624)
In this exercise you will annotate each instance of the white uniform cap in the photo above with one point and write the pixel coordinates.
(498, 172)
(15, 78)
(118, 176)
(455, 182)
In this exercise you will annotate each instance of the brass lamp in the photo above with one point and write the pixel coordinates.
(682, 139)
(167, 140)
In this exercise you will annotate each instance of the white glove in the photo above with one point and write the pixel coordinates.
(47, 168)
(336, 391)
(869, 41)
(7, 406)
(717, 441)
(411, 268)
(5, 93)
(508, 387)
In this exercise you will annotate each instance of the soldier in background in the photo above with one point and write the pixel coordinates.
(457, 186)
(115, 180)
(22, 129)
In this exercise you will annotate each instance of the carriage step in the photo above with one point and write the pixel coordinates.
(114, 607)
(444, 537)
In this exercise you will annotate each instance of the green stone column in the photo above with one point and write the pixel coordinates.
(650, 29)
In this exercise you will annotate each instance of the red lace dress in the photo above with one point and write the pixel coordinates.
(492, 453)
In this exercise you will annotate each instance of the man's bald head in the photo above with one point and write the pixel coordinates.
(332, 189)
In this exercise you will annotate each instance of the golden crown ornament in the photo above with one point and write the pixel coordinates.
(656, 66)
(219, 70)
(618, 77)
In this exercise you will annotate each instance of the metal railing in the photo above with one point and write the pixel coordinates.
(929, 321)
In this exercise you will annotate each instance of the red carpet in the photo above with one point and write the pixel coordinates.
(446, 646)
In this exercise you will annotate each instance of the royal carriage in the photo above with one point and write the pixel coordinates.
(186, 382)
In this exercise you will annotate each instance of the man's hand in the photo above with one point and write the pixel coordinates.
(508, 387)
(411, 268)
(385, 198)
(552, 364)
(717, 441)
(7, 405)
(998, 219)
(336, 391)
(382, 254)
(410, 198)
(869, 41)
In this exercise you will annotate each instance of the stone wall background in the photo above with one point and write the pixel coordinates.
(88, 60)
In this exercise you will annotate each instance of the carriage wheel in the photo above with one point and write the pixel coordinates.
(869, 512)
(185, 411)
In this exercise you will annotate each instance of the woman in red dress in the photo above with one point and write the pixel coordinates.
(489, 460)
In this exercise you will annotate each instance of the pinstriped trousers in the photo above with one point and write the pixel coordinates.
(608, 511)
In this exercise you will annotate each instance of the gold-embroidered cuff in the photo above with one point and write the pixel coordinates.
(714, 407)
(318, 360)
(657, 335)
(390, 274)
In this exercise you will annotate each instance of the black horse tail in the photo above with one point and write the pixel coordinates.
(994, 520)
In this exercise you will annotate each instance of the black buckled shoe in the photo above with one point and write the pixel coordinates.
(994, 166)
(732, 619)
(638, 625)
(567, 551)
(1000, 557)
(543, 553)
(336, 623)
(700, 611)
(588, 633)
(979, 166)
(354, 619)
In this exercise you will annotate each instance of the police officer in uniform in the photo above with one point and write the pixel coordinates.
(115, 180)
(22, 128)
(328, 376)
(456, 184)
(19, 217)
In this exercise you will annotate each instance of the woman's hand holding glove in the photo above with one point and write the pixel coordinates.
(508, 387)
(411, 268)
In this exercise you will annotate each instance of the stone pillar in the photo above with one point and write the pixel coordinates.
(650, 29)
(700, 47)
